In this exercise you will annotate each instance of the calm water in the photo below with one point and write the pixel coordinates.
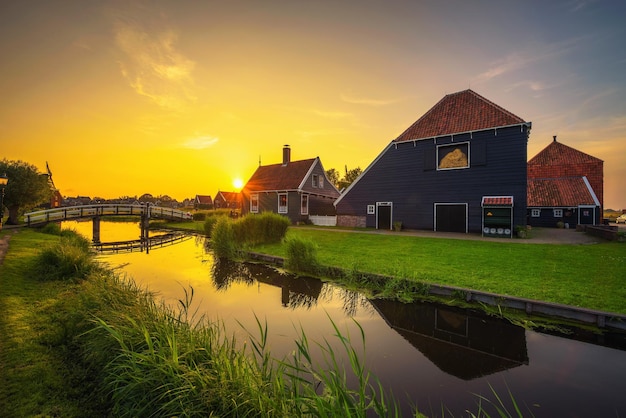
(429, 355)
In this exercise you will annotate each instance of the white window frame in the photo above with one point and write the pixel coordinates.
(254, 197)
(315, 181)
(453, 144)
(321, 182)
(557, 213)
(371, 210)
(283, 208)
(304, 208)
(535, 213)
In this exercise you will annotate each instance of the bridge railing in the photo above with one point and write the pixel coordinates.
(90, 211)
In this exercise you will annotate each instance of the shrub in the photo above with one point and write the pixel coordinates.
(51, 228)
(223, 238)
(265, 228)
(69, 259)
(199, 216)
(302, 256)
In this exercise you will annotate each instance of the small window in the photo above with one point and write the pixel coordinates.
(254, 203)
(535, 213)
(282, 203)
(371, 209)
(315, 180)
(558, 213)
(304, 204)
(453, 156)
(321, 182)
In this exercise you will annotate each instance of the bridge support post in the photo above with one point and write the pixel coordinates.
(96, 230)
(145, 225)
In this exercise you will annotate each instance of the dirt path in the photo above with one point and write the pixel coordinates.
(4, 244)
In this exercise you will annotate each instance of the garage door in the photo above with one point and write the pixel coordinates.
(451, 217)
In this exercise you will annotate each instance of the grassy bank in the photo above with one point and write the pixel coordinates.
(88, 343)
(589, 276)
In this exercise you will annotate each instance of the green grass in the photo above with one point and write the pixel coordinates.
(589, 276)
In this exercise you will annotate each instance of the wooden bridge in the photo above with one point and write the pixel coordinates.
(91, 211)
(95, 212)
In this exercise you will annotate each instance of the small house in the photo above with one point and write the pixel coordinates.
(296, 189)
(565, 187)
(203, 202)
(227, 200)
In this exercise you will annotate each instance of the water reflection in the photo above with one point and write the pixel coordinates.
(464, 346)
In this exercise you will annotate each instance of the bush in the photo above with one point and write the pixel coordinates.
(199, 216)
(302, 256)
(265, 228)
(69, 259)
(223, 238)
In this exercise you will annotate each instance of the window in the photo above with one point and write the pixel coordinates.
(315, 180)
(453, 156)
(535, 213)
(321, 182)
(558, 213)
(254, 203)
(304, 204)
(371, 209)
(282, 203)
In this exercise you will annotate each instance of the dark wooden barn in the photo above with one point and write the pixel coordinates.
(446, 172)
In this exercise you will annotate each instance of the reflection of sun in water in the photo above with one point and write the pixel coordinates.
(238, 183)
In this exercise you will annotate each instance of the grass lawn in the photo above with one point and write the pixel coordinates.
(590, 276)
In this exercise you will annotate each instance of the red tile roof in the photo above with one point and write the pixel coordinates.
(204, 200)
(498, 201)
(560, 154)
(559, 192)
(279, 176)
(229, 197)
(463, 111)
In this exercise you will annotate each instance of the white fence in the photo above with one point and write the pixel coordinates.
(323, 220)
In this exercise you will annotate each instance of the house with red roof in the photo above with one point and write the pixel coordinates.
(296, 189)
(565, 187)
(461, 167)
(203, 202)
(228, 200)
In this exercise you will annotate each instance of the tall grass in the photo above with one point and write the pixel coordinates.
(302, 256)
(69, 259)
(230, 236)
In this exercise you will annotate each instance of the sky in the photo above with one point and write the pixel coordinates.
(180, 98)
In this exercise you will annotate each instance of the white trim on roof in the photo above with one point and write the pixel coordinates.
(593, 194)
(528, 124)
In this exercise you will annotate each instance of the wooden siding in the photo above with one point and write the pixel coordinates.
(268, 202)
(403, 175)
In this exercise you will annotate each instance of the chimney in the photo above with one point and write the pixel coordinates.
(554, 138)
(286, 154)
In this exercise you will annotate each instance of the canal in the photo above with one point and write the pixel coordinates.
(435, 357)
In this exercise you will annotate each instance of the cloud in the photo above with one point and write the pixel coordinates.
(153, 66)
(367, 101)
(200, 142)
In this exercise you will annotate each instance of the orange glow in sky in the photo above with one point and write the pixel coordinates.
(180, 98)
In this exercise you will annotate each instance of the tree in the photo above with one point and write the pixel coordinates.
(333, 176)
(26, 189)
(348, 178)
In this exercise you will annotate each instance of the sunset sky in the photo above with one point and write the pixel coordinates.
(183, 97)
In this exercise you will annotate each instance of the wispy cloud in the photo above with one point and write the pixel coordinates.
(367, 101)
(153, 66)
(200, 142)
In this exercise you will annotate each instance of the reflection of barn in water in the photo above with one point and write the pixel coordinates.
(297, 291)
(463, 346)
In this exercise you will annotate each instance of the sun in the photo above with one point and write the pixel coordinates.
(238, 183)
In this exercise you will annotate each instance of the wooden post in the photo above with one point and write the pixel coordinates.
(96, 230)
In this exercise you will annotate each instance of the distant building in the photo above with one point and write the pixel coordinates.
(203, 202)
(227, 200)
(564, 185)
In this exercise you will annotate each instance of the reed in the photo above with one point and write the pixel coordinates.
(302, 256)
(69, 259)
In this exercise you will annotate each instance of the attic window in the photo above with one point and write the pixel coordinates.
(315, 180)
(453, 156)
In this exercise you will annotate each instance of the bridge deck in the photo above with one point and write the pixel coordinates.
(91, 211)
